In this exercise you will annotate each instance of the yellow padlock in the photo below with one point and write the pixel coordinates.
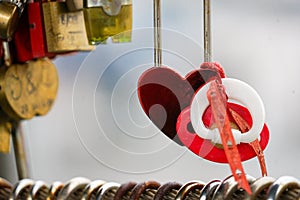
(108, 18)
(9, 18)
(28, 89)
(5, 130)
(65, 30)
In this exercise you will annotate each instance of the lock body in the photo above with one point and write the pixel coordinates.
(28, 89)
(9, 18)
(29, 40)
(104, 19)
(5, 129)
(65, 31)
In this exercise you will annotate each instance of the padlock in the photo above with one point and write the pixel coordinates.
(108, 18)
(11, 11)
(206, 148)
(28, 89)
(64, 30)
(29, 41)
(5, 130)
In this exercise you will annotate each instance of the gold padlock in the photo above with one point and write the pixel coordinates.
(9, 18)
(28, 89)
(5, 130)
(108, 18)
(65, 30)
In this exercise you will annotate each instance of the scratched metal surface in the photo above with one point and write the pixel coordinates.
(97, 129)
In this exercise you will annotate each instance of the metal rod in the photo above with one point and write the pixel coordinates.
(207, 31)
(157, 33)
(6, 53)
(19, 150)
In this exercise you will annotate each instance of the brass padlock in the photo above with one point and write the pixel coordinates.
(108, 18)
(65, 30)
(5, 130)
(28, 89)
(11, 11)
(8, 19)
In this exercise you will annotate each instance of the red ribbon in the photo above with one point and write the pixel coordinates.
(218, 101)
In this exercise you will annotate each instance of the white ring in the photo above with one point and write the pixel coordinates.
(236, 90)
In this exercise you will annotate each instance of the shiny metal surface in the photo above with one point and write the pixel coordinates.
(228, 189)
(73, 189)
(285, 187)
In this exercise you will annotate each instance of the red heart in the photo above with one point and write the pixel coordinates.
(163, 93)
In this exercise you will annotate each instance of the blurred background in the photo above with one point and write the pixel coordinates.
(98, 130)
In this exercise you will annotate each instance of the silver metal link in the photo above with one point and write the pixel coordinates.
(264, 188)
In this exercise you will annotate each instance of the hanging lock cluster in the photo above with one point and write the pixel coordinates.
(34, 32)
(94, 20)
(26, 90)
(177, 95)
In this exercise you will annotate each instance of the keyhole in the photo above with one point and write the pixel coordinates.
(190, 128)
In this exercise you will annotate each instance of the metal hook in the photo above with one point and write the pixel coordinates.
(259, 188)
(191, 190)
(5, 189)
(39, 191)
(209, 189)
(91, 189)
(54, 190)
(157, 33)
(286, 186)
(229, 188)
(107, 191)
(73, 189)
(124, 191)
(167, 191)
(146, 190)
(22, 189)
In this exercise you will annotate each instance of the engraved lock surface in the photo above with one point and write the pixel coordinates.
(65, 31)
(104, 19)
(28, 89)
(8, 19)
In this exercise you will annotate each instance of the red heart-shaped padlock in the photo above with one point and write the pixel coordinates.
(163, 93)
(205, 148)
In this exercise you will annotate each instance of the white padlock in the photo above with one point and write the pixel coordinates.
(238, 91)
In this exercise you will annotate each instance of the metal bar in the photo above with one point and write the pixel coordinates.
(6, 52)
(157, 33)
(207, 31)
(19, 150)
